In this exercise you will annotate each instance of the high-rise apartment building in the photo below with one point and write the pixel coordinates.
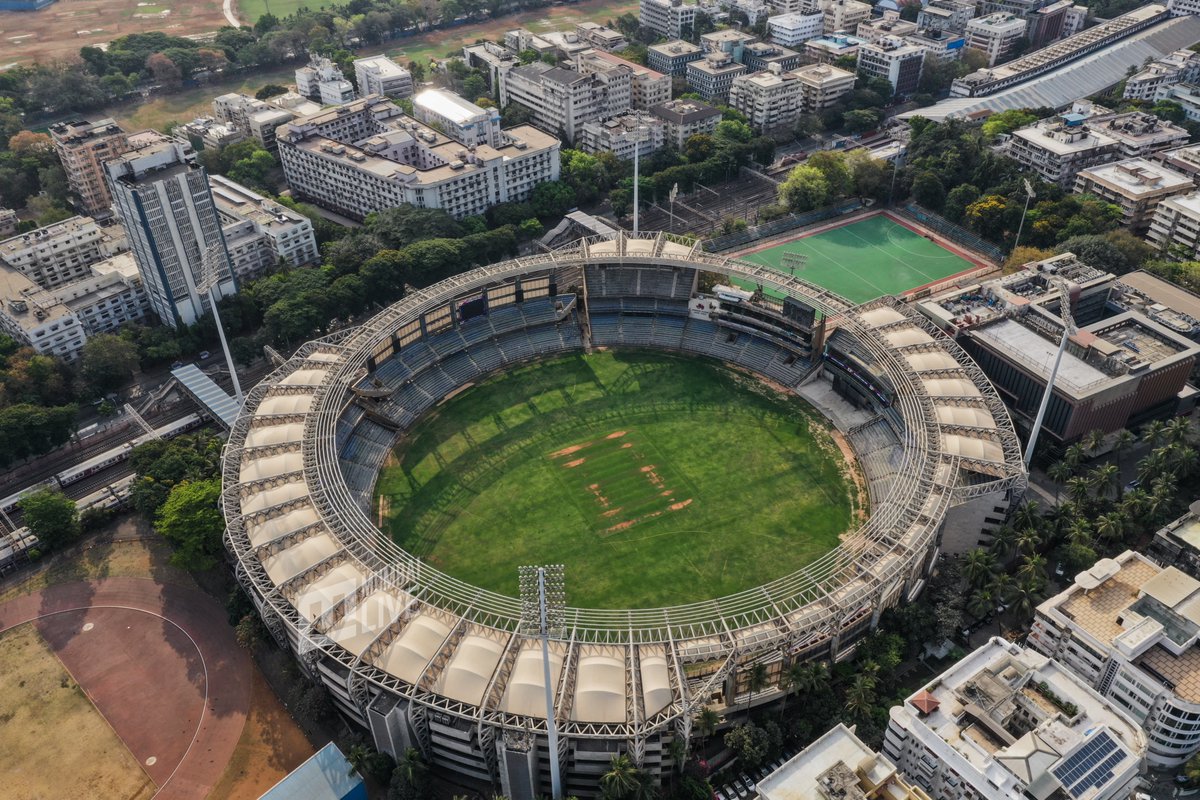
(562, 100)
(56, 254)
(83, 147)
(381, 75)
(671, 18)
(163, 198)
(648, 87)
(770, 100)
(995, 35)
(894, 60)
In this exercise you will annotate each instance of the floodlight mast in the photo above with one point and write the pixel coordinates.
(1069, 330)
(209, 272)
(542, 606)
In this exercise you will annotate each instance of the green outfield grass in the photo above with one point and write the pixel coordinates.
(867, 259)
(655, 479)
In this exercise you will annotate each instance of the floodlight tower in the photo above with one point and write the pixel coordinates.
(1069, 330)
(637, 151)
(1029, 195)
(543, 610)
(210, 271)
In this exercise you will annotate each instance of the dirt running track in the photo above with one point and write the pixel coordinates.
(160, 663)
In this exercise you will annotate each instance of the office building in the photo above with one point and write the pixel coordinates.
(1136, 185)
(841, 15)
(875, 30)
(1008, 723)
(321, 80)
(368, 155)
(1187, 95)
(1182, 159)
(1058, 148)
(770, 100)
(260, 233)
(1128, 627)
(939, 46)
(255, 118)
(995, 35)
(729, 41)
(83, 147)
(1160, 300)
(822, 86)
(765, 56)
(163, 198)
(673, 19)
(1182, 66)
(56, 254)
(35, 318)
(672, 58)
(492, 59)
(1175, 226)
(1139, 134)
(567, 44)
(520, 40)
(838, 766)
(1118, 371)
(893, 60)
(830, 47)
(601, 36)
(712, 76)
(793, 30)
(562, 100)
(623, 136)
(462, 121)
(110, 297)
(686, 118)
(948, 16)
(647, 87)
(381, 75)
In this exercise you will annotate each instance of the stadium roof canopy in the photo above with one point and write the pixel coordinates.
(1077, 79)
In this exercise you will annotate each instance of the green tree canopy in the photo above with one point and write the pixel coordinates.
(191, 521)
(51, 516)
(107, 362)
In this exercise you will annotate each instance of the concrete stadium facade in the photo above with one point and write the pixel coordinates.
(423, 660)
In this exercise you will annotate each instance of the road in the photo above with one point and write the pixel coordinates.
(231, 18)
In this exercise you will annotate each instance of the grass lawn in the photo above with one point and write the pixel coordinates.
(55, 742)
(867, 259)
(655, 479)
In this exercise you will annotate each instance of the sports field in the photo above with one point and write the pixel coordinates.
(867, 259)
(655, 479)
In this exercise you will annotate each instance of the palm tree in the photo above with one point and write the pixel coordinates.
(707, 721)
(1134, 503)
(1191, 770)
(802, 677)
(1092, 440)
(1151, 466)
(1029, 542)
(1027, 516)
(1110, 527)
(1074, 456)
(621, 780)
(1183, 460)
(1103, 479)
(679, 752)
(1122, 443)
(1033, 568)
(1157, 505)
(1178, 430)
(860, 696)
(981, 603)
(1080, 533)
(1004, 542)
(1153, 433)
(1026, 597)
(1060, 473)
(979, 566)
(357, 757)
(755, 682)
(411, 769)
(1079, 490)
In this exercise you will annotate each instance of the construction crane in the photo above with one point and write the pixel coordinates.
(1069, 330)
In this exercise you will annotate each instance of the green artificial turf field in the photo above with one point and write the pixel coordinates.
(655, 479)
(867, 259)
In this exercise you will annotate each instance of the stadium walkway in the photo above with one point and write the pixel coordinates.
(160, 663)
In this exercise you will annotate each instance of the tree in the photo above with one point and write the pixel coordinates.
(804, 189)
(621, 779)
(269, 91)
(861, 120)
(552, 199)
(860, 696)
(1024, 254)
(163, 69)
(107, 362)
(832, 166)
(1098, 251)
(27, 144)
(733, 131)
(756, 680)
(928, 190)
(707, 721)
(51, 516)
(1169, 110)
(978, 567)
(410, 779)
(750, 744)
(191, 520)
(1004, 122)
(867, 174)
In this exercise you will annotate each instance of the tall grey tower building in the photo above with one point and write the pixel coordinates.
(163, 198)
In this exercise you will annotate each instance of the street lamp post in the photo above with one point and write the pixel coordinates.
(543, 607)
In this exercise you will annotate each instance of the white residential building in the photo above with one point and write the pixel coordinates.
(894, 60)
(601, 37)
(368, 155)
(1176, 226)
(945, 15)
(264, 231)
(995, 35)
(831, 47)
(1140, 134)
(712, 76)
(822, 86)
(109, 298)
(793, 30)
(1187, 95)
(1182, 66)
(1057, 149)
(8, 222)
(647, 87)
(875, 30)
(83, 147)
(56, 254)
(460, 120)
(163, 199)
(1007, 723)
(838, 766)
(322, 80)
(35, 318)
(1128, 627)
(1136, 185)
(623, 136)
(522, 39)
(562, 100)
(381, 75)
(686, 118)
(672, 58)
(493, 59)
(671, 18)
(940, 46)
(567, 44)
(842, 15)
(770, 100)
(1182, 159)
